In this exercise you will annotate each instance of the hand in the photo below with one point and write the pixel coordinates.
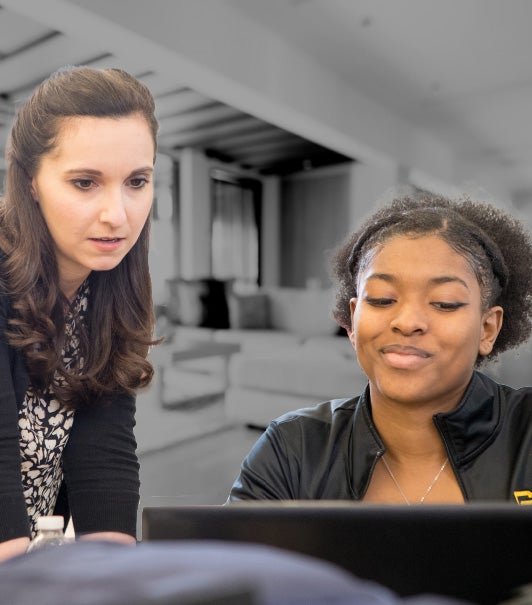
(110, 536)
(13, 548)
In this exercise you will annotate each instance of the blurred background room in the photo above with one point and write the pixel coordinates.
(282, 122)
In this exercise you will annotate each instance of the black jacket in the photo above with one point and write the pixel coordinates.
(330, 451)
(101, 471)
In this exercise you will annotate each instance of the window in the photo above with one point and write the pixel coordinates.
(235, 239)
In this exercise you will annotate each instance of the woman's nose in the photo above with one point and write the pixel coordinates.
(410, 319)
(113, 210)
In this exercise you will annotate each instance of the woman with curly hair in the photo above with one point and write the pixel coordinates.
(428, 289)
(76, 313)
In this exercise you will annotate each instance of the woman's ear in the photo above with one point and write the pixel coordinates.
(351, 331)
(491, 326)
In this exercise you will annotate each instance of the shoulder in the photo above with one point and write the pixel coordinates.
(523, 394)
(512, 400)
(324, 416)
(516, 398)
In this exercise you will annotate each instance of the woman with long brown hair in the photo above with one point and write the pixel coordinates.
(76, 312)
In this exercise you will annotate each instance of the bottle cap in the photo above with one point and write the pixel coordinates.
(51, 522)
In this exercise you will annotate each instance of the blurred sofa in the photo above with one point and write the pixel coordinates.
(265, 385)
(291, 353)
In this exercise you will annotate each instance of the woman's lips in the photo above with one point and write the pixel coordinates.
(405, 357)
(107, 244)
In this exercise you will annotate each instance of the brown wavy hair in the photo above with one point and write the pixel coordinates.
(496, 245)
(115, 341)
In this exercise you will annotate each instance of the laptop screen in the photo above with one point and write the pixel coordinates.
(477, 552)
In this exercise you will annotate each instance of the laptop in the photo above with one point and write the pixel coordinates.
(478, 552)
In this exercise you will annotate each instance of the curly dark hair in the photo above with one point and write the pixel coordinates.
(496, 245)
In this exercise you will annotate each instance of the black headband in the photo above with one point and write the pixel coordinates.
(490, 248)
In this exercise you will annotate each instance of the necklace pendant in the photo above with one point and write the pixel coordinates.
(427, 491)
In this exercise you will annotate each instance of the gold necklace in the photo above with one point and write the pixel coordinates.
(427, 491)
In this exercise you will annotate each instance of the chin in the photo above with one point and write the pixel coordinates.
(405, 389)
(103, 267)
(107, 264)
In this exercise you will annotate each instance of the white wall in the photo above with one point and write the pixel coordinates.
(369, 183)
(314, 210)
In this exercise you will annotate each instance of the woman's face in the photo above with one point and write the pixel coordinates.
(418, 325)
(95, 191)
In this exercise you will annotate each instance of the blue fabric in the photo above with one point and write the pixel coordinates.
(98, 573)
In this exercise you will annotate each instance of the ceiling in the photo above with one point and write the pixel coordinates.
(462, 69)
(30, 51)
(459, 69)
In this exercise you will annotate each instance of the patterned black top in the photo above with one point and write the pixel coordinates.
(45, 426)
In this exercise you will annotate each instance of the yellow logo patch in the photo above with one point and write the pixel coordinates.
(523, 497)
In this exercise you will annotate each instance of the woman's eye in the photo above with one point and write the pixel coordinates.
(447, 306)
(83, 183)
(138, 182)
(379, 302)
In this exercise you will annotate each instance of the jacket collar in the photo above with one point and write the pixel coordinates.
(466, 431)
(472, 425)
(366, 446)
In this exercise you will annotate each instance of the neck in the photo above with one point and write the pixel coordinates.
(408, 433)
(70, 287)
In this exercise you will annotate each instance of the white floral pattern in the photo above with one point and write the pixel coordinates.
(44, 427)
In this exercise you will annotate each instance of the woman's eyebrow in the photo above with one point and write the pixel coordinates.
(442, 279)
(384, 276)
(143, 170)
(445, 279)
(93, 172)
(88, 171)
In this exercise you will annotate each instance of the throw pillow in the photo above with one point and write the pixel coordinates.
(198, 302)
(249, 311)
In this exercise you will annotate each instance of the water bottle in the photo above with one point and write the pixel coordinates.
(49, 533)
